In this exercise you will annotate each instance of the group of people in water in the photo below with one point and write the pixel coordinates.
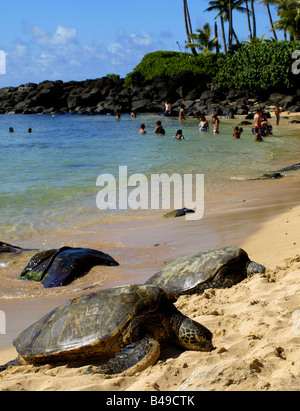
(261, 128)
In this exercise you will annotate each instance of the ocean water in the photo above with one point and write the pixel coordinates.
(48, 178)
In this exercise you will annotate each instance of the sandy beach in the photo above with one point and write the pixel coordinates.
(255, 324)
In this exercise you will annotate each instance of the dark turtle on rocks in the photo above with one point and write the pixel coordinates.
(216, 268)
(125, 324)
(54, 268)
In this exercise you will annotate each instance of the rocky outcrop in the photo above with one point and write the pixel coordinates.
(101, 96)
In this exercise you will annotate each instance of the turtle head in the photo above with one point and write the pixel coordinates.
(194, 336)
(255, 268)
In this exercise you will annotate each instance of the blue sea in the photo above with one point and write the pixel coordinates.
(48, 177)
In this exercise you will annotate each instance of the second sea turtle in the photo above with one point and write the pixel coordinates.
(215, 268)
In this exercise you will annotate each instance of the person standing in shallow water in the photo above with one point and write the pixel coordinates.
(277, 114)
(181, 113)
(216, 122)
(203, 125)
(167, 110)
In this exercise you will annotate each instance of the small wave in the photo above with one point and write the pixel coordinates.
(238, 178)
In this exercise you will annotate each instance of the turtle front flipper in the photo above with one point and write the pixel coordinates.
(133, 358)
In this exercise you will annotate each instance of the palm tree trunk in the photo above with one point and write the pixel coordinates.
(253, 19)
(235, 36)
(271, 22)
(230, 24)
(248, 18)
(217, 38)
(223, 35)
(188, 25)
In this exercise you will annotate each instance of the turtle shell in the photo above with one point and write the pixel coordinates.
(188, 274)
(89, 326)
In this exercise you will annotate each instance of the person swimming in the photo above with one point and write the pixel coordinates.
(179, 135)
(142, 130)
(237, 132)
(258, 136)
(159, 129)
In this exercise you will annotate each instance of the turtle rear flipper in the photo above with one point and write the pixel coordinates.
(133, 358)
(14, 363)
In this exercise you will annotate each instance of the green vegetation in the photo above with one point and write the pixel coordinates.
(171, 63)
(113, 76)
(258, 66)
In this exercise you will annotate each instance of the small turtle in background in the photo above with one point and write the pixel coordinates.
(8, 248)
(216, 268)
(125, 324)
(179, 212)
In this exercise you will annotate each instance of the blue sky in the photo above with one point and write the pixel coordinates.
(75, 40)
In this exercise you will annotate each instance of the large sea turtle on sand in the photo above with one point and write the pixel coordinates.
(216, 268)
(54, 268)
(125, 324)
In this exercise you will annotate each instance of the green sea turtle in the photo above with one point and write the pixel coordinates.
(125, 324)
(216, 268)
(54, 268)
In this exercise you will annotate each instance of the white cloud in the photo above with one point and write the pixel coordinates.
(64, 35)
(58, 55)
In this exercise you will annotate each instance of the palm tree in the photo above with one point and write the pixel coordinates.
(188, 25)
(202, 40)
(289, 13)
(225, 8)
(216, 5)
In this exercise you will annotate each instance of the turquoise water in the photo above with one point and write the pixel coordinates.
(48, 178)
